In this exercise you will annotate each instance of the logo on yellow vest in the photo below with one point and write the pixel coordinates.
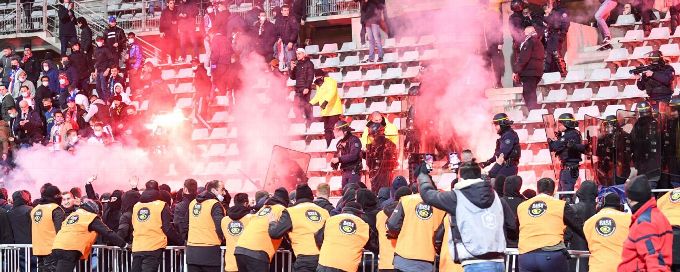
(605, 226)
(264, 211)
(72, 219)
(675, 196)
(537, 208)
(197, 209)
(143, 214)
(37, 216)
(313, 215)
(235, 228)
(348, 227)
(423, 211)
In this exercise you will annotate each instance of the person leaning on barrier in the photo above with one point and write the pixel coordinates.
(342, 240)
(669, 204)
(205, 232)
(233, 226)
(387, 245)
(605, 232)
(254, 251)
(479, 219)
(542, 221)
(77, 235)
(151, 232)
(46, 220)
(301, 222)
(650, 239)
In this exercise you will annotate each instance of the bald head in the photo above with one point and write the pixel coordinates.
(529, 30)
(376, 117)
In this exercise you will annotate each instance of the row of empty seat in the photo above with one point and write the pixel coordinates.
(388, 58)
(332, 48)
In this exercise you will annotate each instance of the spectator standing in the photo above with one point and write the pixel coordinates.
(323, 192)
(86, 37)
(342, 240)
(67, 25)
(6, 65)
(48, 112)
(645, 8)
(542, 221)
(30, 64)
(205, 232)
(5, 152)
(601, 16)
(114, 38)
(181, 213)
(20, 219)
(71, 71)
(81, 62)
(6, 102)
(169, 30)
(46, 221)
(265, 38)
(31, 130)
(300, 223)
(220, 59)
(584, 209)
(478, 243)
(129, 199)
(286, 28)
(15, 73)
(302, 71)
(528, 68)
(371, 16)
(103, 60)
(49, 69)
(606, 232)
(202, 86)
(134, 58)
(58, 133)
(328, 99)
(43, 91)
(186, 13)
(513, 198)
(650, 239)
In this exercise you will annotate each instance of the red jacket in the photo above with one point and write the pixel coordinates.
(650, 240)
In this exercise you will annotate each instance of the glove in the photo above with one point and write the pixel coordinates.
(323, 105)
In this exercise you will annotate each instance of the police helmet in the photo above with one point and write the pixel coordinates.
(612, 120)
(517, 5)
(644, 108)
(502, 120)
(675, 102)
(655, 56)
(568, 120)
(342, 125)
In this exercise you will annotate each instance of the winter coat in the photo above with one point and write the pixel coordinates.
(650, 241)
(20, 217)
(531, 57)
(53, 74)
(181, 216)
(584, 209)
(303, 74)
(513, 198)
(86, 39)
(135, 58)
(369, 202)
(114, 35)
(286, 29)
(103, 58)
(168, 22)
(32, 68)
(324, 203)
(67, 22)
(188, 23)
(81, 64)
(327, 97)
(371, 12)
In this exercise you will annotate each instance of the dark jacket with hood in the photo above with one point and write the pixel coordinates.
(181, 216)
(398, 182)
(20, 217)
(208, 255)
(53, 74)
(324, 203)
(584, 209)
(348, 195)
(130, 198)
(369, 203)
(111, 214)
(478, 192)
(303, 74)
(513, 198)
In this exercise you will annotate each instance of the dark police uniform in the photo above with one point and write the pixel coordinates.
(569, 148)
(556, 28)
(671, 153)
(508, 145)
(646, 148)
(658, 86)
(349, 156)
(613, 152)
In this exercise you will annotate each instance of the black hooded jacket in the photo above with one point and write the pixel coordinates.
(181, 215)
(324, 203)
(479, 193)
(369, 202)
(130, 198)
(20, 217)
(237, 212)
(513, 198)
(111, 214)
(584, 209)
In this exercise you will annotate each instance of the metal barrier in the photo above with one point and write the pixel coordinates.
(319, 8)
(18, 258)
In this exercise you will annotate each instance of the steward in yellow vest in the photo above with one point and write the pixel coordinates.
(205, 230)
(152, 231)
(669, 205)
(479, 222)
(46, 219)
(387, 245)
(77, 235)
(542, 222)
(414, 224)
(233, 226)
(606, 231)
(342, 240)
(446, 262)
(301, 222)
(253, 250)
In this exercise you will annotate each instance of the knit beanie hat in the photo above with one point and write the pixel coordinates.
(303, 192)
(638, 189)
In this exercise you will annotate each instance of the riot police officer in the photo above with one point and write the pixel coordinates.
(646, 144)
(568, 147)
(671, 156)
(348, 156)
(517, 24)
(613, 151)
(381, 157)
(508, 151)
(657, 80)
(556, 22)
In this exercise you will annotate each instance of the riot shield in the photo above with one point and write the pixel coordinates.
(645, 143)
(286, 169)
(550, 133)
(612, 150)
(670, 142)
(593, 128)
